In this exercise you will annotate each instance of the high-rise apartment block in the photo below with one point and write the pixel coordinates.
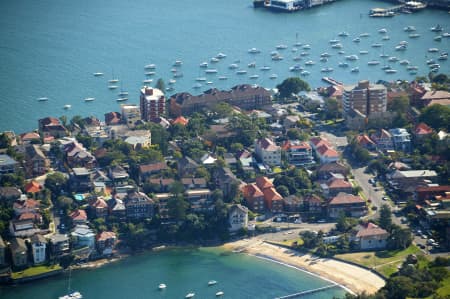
(365, 97)
(152, 103)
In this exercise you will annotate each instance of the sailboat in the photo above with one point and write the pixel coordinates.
(113, 80)
(70, 294)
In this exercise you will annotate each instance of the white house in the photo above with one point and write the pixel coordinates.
(83, 236)
(238, 217)
(38, 245)
(268, 152)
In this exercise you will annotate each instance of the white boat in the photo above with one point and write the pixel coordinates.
(433, 50)
(172, 81)
(343, 33)
(214, 60)
(309, 62)
(113, 80)
(414, 35)
(403, 43)
(241, 72)
(177, 63)
(390, 71)
(325, 55)
(121, 99)
(281, 47)
(437, 38)
(393, 59)
(150, 73)
(212, 282)
(373, 62)
(162, 286)
(89, 99)
(386, 67)
(277, 58)
(42, 99)
(273, 76)
(223, 78)
(386, 37)
(337, 46)
(343, 64)
(435, 66)
(293, 50)
(151, 66)
(356, 40)
(352, 57)
(377, 45)
(67, 106)
(211, 71)
(437, 28)
(323, 59)
(147, 81)
(221, 55)
(98, 74)
(355, 70)
(409, 29)
(297, 58)
(365, 34)
(204, 64)
(326, 70)
(274, 53)
(334, 41)
(210, 82)
(341, 52)
(190, 295)
(400, 48)
(404, 62)
(200, 79)
(305, 73)
(412, 68)
(446, 34)
(251, 65)
(233, 66)
(254, 77)
(220, 293)
(306, 47)
(363, 52)
(382, 30)
(304, 54)
(123, 93)
(295, 68)
(254, 51)
(265, 68)
(173, 70)
(73, 295)
(430, 61)
(383, 55)
(443, 57)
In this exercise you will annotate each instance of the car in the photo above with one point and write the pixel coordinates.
(424, 236)
(384, 198)
(421, 246)
(321, 221)
(419, 232)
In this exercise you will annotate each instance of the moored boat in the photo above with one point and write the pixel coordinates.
(220, 293)
(162, 286)
(89, 99)
(212, 282)
(190, 295)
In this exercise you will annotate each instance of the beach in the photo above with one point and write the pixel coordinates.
(352, 278)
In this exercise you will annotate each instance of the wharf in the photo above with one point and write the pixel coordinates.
(332, 81)
(308, 292)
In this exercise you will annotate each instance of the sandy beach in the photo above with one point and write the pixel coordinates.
(354, 279)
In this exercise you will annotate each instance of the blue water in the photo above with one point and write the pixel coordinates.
(51, 48)
(239, 276)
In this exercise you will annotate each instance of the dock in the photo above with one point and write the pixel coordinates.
(308, 292)
(332, 81)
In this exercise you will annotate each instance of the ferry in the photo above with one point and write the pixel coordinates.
(151, 66)
(254, 51)
(285, 5)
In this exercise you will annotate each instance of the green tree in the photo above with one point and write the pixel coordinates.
(332, 108)
(64, 202)
(399, 105)
(236, 147)
(56, 182)
(385, 218)
(177, 208)
(283, 190)
(291, 86)
(160, 85)
(400, 238)
(436, 116)
(222, 110)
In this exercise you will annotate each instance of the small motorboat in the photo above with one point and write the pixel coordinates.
(89, 99)
(233, 66)
(265, 68)
(273, 76)
(147, 81)
(373, 62)
(254, 77)
(281, 47)
(221, 55)
(177, 63)
(343, 34)
(223, 78)
(42, 99)
(121, 99)
(212, 282)
(220, 293)
(355, 70)
(437, 28)
(433, 50)
(204, 64)
(162, 286)
(67, 106)
(211, 71)
(254, 51)
(357, 40)
(151, 66)
(115, 86)
(98, 74)
(190, 295)
(241, 72)
(409, 29)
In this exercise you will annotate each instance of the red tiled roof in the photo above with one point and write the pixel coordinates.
(339, 183)
(302, 145)
(52, 121)
(33, 187)
(267, 144)
(79, 215)
(371, 230)
(263, 182)
(32, 216)
(270, 194)
(29, 136)
(313, 199)
(103, 236)
(343, 198)
(251, 191)
(364, 140)
(112, 118)
(152, 167)
(181, 121)
(99, 203)
(29, 203)
(423, 129)
(326, 151)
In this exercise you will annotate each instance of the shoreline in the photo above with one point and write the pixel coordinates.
(351, 278)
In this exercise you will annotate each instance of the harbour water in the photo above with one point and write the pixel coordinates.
(239, 276)
(51, 49)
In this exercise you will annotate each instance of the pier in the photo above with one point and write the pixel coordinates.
(300, 294)
(331, 81)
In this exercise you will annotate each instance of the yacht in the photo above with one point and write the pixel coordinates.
(200, 79)
(274, 53)
(393, 59)
(173, 70)
(382, 31)
(433, 50)
(89, 99)
(306, 47)
(365, 34)
(254, 77)
(254, 51)
(386, 67)
(430, 61)
(343, 64)
(409, 29)
(305, 73)
(214, 59)
(233, 66)
(98, 74)
(190, 295)
(265, 68)
(42, 99)
(273, 76)
(326, 70)
(151, 66)
(221, 55)
(150, 73)
(241, 72)
(177, 63)
(356, 40)
(211, 71)
(446, 34)
(252, 65)
(334, 41)
(281, 47)
(386, 37)
(377, 45)
(404, 62)
(373, 62)
(212, 282)
(434, 66)
(67, 106)
(162, 286)
(204, 64)
(352, 57)
(390, 71)
(437, 28)
(355, 70)
(414, 35)
(146, 81)
(223, 78)
(337, 46)
(220, 293)
(309, 62)
(363, 52)
(325, 55)
(343, 33)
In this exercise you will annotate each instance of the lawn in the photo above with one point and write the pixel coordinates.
(32, 271)
(445, 289)
(384, 262)
(290, 242)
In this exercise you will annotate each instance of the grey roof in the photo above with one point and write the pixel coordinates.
(6, 160)
(38, 239)
(80, 171)
(18, 244)
(59, 238)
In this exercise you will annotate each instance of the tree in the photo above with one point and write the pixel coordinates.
(436, 116)
(332, 109)
(177, 208)
(283, 190)
(56, 182)
(222, 110)
(236, 147)
(385, 219)
(291, 86)
(65, 202)
(400, 238)
(399, 105)
(160, 85)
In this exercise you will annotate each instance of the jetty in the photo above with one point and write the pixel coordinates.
(308, 292)
(332, 81)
